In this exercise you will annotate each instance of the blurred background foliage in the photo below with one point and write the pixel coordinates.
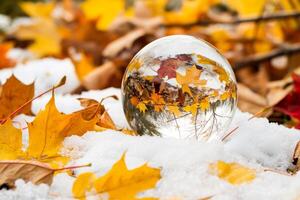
(12, 8)
(260, 38)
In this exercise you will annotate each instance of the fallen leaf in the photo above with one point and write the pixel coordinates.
(83, 183)
(83, 66)
(296, 156)
(233, 173)
(35, 172)
(38, 9)
(30, 171)
(119, 182)
(46, 40)
(104, 14)
(247, 94)
(5, 62)
(190, 12)
(122, 43)
(290, 104)
(50, 127)
(247, 7)
(101, 77)
(13, 95)
(94, 108)
(10, 141)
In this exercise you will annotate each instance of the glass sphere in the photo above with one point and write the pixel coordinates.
(179, 86)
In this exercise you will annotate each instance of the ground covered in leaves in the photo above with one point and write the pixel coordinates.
(251, 163)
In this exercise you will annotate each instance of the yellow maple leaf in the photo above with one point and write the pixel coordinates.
(204, 104)
(10, 141)
(189, 12)
(50, 127)
(142, 107)
(193, 109)
(157, 101)
(192, 76)
(233, 173)
(225, 95)
(119, 182)
(83, 183)
(46, 39)
(220, 38)
(223, 74)
(38, 9)
(247, 7)
(104, 12)
(13, 95)
(135, 64)
(174, 109)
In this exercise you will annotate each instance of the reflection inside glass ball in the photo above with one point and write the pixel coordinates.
(179, 86)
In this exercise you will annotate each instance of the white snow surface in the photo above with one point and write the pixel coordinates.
(257, 144)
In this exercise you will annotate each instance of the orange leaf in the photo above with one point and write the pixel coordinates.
(13, 95)
(5, 62)
(83, 66)
(157, 101)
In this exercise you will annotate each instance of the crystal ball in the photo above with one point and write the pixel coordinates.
(179, 86)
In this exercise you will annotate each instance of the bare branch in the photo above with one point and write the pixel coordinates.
(259, 58)
(268, 17)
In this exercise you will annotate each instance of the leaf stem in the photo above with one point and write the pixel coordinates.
(61, 83)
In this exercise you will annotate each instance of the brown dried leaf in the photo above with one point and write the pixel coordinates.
(13, 95)
(33, 171)
(247, 94)
(125, 42)
(101, 77)
(250, 101)
(94, 108)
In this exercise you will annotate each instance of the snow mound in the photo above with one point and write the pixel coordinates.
(257, 144)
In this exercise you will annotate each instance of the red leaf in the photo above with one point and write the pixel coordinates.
(168, 66)
(290, 105)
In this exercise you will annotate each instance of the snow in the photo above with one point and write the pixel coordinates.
(45, 72)
(257, 144)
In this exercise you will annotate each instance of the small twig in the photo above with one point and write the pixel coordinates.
(234, 21)
(73, 167)
(256, 59)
